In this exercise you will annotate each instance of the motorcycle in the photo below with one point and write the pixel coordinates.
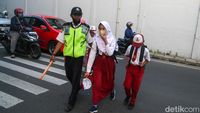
(123, 45)
(27, 43)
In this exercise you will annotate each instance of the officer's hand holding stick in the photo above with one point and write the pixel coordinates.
(57, 48)
(52, 59)
(45, 71)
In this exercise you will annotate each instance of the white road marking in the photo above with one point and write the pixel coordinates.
(119, 58)
(31, 88)
(8, 101)
(40, 66)
(32, 73)
(1, 46)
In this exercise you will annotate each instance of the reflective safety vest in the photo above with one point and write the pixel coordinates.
(75, 40)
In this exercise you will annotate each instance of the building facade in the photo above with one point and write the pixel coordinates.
(169, 26)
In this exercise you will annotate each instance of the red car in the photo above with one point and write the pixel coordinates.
(47, 28)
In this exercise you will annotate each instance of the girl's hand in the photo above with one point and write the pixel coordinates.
(87, 74)
(143, 63)
(104, 38)
(103, 34)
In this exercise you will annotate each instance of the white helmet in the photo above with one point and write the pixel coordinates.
(5, 13)
(138, 40)
(93, 28)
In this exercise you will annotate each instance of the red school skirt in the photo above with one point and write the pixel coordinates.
(102, 78)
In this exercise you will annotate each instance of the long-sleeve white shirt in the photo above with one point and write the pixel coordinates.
(99, 44)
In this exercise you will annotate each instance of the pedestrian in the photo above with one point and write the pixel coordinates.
(139, 56)
(91, 38)
(102, 65)
(93, 33)
(74, 38)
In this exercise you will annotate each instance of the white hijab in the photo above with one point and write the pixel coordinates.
(110, 37)
(99, 43)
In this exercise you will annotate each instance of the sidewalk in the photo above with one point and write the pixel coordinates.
(176, 59)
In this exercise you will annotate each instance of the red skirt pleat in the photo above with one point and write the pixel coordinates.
(102, 78)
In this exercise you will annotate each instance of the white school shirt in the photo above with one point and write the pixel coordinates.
(91, 39)
(61, 37)
(137, 62)
(102, 48)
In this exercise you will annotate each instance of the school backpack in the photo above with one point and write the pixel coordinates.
(141, 53)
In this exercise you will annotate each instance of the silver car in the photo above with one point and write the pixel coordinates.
(4, 26)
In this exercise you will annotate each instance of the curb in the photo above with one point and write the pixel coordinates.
(176, 59)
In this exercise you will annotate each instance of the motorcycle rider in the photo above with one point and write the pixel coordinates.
(18, 23)
(129, 32)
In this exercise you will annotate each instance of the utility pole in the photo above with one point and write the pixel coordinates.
(26, 10)
(138, 16)
(117, 18)
(56, 8)
(196, 31)
(92, 12)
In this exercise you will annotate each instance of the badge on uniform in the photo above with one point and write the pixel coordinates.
(85, 29)
(66, 30)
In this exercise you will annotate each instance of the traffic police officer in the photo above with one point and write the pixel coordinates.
(74, 39)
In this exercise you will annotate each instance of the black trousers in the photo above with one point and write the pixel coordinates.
(73, 69)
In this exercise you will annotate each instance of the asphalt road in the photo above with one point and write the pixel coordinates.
(164, 84)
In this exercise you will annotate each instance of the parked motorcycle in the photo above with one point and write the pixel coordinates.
(27, 43)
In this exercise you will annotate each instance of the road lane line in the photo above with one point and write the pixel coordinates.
(176, 64)
(1, 46)
(8, 101)
(38, 65)
(32, 73)
(31, 88)
(119, 58)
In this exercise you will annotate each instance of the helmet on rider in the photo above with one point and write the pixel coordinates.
(129, 24)
(5, 13)
(18, 12)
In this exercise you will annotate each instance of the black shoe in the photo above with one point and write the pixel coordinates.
(131, 106)
(93, 109)
(12, 56)
(126, 100)
(113, 95)
(68, 108)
